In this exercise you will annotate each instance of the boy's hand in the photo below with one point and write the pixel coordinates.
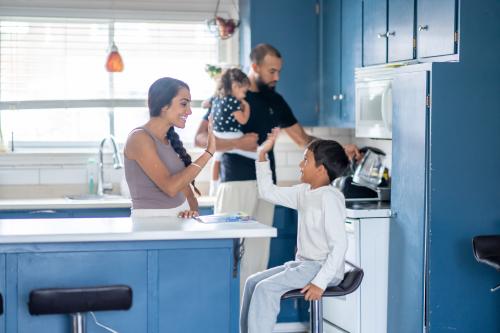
(312, 292)
(267, 145)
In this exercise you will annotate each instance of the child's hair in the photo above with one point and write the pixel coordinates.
(331, 155)
(224, 84)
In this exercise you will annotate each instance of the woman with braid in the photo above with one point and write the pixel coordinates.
(158, 170)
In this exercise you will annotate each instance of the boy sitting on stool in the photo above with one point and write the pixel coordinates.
(321, 237)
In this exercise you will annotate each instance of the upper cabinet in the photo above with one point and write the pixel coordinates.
(402, 30)
(388, 31)
(374, 32)
(291, 27)
(340, 43)
(437, 28)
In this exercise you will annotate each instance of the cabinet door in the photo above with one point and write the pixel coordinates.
(330, 73)
(190, 274)
(2, 291)
(401, 30)
(407, 230)
(80, 269)
(374, 32)
(436, 27)
(351, 58)
(292, 27)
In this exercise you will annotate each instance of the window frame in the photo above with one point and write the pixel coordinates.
(227, 53)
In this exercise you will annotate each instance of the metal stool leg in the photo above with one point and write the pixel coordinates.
(316, 316)
(78, 322)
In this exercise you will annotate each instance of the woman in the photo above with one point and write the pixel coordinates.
(158, 169)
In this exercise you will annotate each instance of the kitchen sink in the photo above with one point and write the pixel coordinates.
(94, 197)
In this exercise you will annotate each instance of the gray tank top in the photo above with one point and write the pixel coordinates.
(143, 191)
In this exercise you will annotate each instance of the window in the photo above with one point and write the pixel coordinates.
(54, 90)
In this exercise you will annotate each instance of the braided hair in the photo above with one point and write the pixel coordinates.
(161, 93)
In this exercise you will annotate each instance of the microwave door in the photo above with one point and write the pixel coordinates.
(387, 112)
(373, 109)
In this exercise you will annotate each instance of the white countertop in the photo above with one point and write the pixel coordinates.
(368, 209)
(65, 203)
(124, 229)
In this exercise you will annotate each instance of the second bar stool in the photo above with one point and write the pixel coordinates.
(352, 280)
(78, 301)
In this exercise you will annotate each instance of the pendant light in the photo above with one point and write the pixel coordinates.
(114, 63)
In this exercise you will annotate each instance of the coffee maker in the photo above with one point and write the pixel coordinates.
(366, 180)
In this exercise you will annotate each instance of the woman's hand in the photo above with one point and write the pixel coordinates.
(267, 145)
(187, 214)
(312, 292)
(211, 137)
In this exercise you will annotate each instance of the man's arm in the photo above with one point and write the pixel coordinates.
(301, 138)
(247, 142)
(297, 133)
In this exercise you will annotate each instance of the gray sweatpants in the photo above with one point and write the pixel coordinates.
(262, 293)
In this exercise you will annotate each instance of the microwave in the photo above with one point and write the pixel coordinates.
(373, 103)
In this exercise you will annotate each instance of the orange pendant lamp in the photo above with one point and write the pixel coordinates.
(114, 63)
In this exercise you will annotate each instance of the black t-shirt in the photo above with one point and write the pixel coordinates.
(267, 110)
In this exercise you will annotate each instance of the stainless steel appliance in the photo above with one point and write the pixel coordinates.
(365, 181)
(374, 102)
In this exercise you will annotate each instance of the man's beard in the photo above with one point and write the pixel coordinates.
(264, 87)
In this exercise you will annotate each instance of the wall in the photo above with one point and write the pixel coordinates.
(48, 175)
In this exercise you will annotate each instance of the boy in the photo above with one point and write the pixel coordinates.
(321, 238)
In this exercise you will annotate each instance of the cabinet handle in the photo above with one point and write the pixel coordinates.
(341, 97)
(334, 97)
(391, 34)
(383, 35)
(423, 27)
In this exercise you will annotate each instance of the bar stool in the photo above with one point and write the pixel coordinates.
(352, 280)
(78, 301)
(487, 251)
(1, 304)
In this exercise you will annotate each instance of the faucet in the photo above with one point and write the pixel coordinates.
(117, 164)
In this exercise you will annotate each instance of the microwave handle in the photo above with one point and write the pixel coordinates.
(386, 100)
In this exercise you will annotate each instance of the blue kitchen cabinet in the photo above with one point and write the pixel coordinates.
(72, 270)
(199, 275)
(35, 214)
(340, 34)
(437, 28)
(330, 55)
(388, 31)
(64, 213)
(374, 32)
(2, 291)
(292, 27)
(408, 202)
(206, 210)
(401, 30)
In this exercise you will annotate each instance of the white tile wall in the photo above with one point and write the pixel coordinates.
(46, 170)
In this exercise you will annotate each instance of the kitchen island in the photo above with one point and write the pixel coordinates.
(183, 273)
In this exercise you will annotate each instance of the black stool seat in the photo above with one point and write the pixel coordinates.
(487, 250)
(350, 283)
(76, 300)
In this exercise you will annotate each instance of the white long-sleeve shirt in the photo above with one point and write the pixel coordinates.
(321, 232)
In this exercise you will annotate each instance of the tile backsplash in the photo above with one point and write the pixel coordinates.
(45, 175)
